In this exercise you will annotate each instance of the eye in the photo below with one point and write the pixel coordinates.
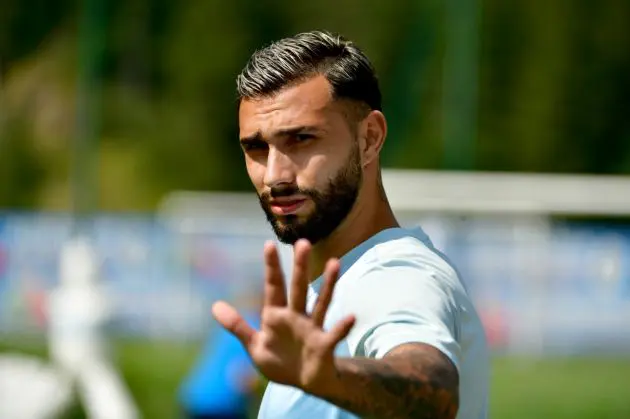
(303, 137)
(254, 145)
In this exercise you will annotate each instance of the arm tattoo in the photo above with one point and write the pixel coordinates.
(413, 381)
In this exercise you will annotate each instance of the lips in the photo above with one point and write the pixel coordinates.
(286, 206)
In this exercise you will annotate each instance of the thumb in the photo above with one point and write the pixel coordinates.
(231, 320)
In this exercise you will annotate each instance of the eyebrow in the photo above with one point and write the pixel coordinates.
(252, 139)
(285, 132)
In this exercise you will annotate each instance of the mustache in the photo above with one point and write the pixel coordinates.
(285, 190)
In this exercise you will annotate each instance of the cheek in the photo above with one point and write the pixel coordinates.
(317, 173)
(256, 172)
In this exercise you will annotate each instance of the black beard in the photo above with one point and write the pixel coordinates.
(331, 206)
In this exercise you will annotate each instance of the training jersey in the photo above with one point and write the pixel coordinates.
(401, 290)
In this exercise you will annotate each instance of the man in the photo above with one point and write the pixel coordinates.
(398, 337)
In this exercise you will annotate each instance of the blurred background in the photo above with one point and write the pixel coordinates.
(509, 143)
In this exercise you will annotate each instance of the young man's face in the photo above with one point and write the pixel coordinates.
(303, 159)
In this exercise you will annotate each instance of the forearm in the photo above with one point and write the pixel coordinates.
(393, 387)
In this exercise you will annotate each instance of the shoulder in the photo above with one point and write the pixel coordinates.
(407, 261)
(402, 287)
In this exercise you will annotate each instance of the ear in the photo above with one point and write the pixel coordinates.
(372, 133)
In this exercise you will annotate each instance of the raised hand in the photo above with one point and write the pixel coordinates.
(291, 346)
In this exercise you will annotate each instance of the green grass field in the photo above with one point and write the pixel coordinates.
(556, 388)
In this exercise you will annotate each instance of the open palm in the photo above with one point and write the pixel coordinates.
(291, 346)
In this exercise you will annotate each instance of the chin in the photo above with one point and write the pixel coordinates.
(286, 234)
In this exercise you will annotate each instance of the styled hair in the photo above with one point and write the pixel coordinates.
(293, 60)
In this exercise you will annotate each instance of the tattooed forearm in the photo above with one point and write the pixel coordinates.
(414, 381)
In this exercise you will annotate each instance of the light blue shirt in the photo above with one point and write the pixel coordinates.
(401, 290)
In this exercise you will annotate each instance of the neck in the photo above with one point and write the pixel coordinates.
(363, 222)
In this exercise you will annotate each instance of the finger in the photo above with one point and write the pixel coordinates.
(340, 331)
(230, 319)
(331, 273)
(299, 283)
(275, 292)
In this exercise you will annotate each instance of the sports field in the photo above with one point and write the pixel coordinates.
(557, 388)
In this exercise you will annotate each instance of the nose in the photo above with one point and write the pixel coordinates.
(280, 168)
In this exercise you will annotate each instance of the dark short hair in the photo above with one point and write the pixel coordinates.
(295, 59)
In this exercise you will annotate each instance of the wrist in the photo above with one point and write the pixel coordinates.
(328, 382)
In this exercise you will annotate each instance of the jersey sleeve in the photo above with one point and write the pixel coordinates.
(408, 300)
